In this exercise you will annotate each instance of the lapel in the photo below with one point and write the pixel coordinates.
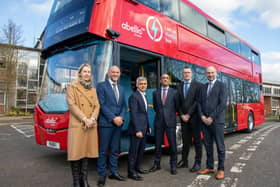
(142, 103)
(168, 95)
(82, 90)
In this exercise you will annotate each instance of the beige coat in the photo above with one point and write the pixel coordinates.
(82, 103)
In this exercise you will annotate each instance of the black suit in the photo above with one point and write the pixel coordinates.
(138, 122)
(188, 105)
(213, 105)
(165, 120)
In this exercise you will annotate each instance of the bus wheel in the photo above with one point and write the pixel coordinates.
(179, 140)
(250, 122)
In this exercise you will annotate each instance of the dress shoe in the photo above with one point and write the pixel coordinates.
(220, 175)
(154, 168)
(142, 171)
(206, 171)
(182, 164)
(135, 177)
(101, 181)
(173, 171)
(117, 176)
(195, 168)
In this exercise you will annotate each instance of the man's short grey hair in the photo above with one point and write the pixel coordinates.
(141, 79)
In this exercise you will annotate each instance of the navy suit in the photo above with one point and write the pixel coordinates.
(109, 133)
(138, 122)
(165, 120)
(214, 106)
(191, 129)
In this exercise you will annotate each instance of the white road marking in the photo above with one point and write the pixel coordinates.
(237, 168)
(252, 148)
(229, 182)
(246, 156)
(199, 180)
(26, 130)
(235, 147)
(257, 142)
(242, 141)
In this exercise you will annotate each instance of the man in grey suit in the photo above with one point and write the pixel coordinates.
(211, 108)
(188, 92)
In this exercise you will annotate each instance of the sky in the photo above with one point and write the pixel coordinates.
(256, 21)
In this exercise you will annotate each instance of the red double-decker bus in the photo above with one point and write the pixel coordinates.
(144, 38)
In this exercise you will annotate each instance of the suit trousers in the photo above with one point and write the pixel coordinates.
(109, 140)
(214, 132)
(192, 131)
(171, 136)
(135, 154)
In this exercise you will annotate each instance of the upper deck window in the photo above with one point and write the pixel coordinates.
(59, 4)
(256, 58)
(192, 18)
(233, 43)
(245, 51)
(170, 8)
(154, 4)
(216, 33)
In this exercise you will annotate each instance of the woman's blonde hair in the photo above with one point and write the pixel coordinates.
(80, 70)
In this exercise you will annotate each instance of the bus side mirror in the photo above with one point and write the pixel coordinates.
(112, 33)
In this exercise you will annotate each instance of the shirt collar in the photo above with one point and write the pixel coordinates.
(143, 93)
(187, 82)
(162, 88)
(213, 81)
(111, 82)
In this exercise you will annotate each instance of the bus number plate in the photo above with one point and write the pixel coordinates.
(54, 145)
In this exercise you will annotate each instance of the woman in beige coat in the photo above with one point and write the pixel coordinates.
(82, 132)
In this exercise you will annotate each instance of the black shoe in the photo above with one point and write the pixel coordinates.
(196, 167)
(154, 168)
(135, 177)
(182, 164)
(101, 181)
(173, 171)
(117, 176)
(142, 171)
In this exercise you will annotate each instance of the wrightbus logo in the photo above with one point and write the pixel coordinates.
(137, 30)
(51, 121)
(154, 29)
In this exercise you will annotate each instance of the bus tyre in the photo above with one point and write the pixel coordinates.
(250, 122)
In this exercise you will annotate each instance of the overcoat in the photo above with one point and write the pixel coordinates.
(82, 103)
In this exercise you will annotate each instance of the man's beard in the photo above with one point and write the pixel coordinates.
(86, 84)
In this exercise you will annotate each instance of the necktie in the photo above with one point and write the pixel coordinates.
(163, 99)
(145, 101)
(186, 88)
(209, 88)
(115, 91)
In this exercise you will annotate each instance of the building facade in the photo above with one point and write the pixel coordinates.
(19, 77)
(271, 92)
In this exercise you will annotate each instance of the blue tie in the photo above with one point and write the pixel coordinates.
(186, 88)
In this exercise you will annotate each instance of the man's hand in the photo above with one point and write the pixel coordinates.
(118, 121)
(139, 134)
(185, 117)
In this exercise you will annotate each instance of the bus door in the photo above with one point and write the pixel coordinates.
(135, 63)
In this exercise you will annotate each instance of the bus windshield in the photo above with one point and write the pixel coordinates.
(61, 69)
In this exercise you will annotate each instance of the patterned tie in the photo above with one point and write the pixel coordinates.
(163, 99)
(210, 85)
(115, 91)
(186, 88)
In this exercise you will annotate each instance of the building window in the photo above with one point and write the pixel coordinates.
(2, 97)
(276, 91)
(267, 91)
(2, 62)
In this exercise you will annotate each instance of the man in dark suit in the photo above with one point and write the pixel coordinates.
(138, 128)
(111, 97)
(165, 106)
(211, 108)
(188, 92)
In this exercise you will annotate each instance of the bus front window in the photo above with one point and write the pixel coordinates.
(61, 69)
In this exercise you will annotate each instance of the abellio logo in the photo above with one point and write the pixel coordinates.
(154, 29)
(137, 30)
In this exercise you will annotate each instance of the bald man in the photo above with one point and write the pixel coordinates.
(211, 107)
(111, 97)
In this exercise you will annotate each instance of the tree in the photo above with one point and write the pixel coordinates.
(11, 36)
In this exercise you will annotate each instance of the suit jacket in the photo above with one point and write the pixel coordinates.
(167, 112)
(189, 104)
(109, 107)
(214, 104)
(138, 114)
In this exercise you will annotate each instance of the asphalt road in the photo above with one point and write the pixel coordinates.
(252, 161)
